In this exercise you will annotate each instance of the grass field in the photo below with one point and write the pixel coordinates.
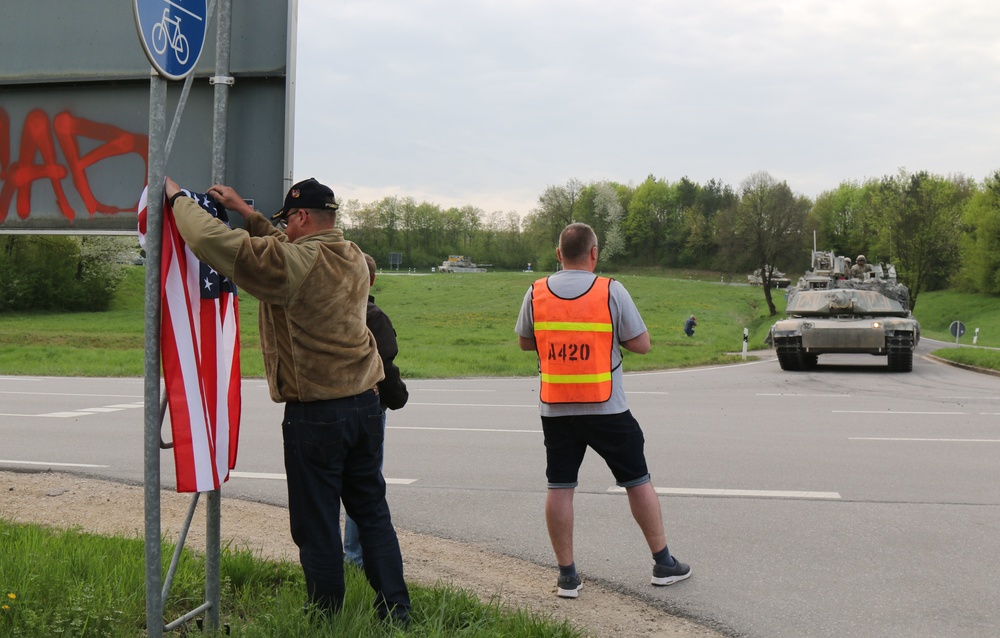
(70, 583)
(461, 325)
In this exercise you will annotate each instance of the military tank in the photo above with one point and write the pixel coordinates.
(830, 312)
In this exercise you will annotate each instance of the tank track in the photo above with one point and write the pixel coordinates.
(900, 348)
(792, 357)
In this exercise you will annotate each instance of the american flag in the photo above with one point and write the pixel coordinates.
(200, 345)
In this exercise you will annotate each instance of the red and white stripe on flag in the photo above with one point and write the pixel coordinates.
(200, 346)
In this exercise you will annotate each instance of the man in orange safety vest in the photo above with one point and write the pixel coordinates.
(577, 322)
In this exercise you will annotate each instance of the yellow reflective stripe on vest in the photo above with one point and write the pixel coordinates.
(576, 378)
(573, 325)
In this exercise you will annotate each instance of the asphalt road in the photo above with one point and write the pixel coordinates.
(844, 501)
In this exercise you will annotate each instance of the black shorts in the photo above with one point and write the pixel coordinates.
(616, 437)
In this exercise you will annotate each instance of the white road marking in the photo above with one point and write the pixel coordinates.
(728, 366)
(281, 477)
(795, 394)
(449, 390)
(67, 394)
(117, 407)
(408, 427)
(873, 438)
(694, 491)
(894, 412)
(474, 405)
(49, 464)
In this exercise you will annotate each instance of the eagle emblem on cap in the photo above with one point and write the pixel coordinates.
(295, 193)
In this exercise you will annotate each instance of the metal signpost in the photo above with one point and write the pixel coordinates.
(172, 33)
(75, 154)
(957, 329)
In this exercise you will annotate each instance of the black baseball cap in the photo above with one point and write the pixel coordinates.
(307, 194)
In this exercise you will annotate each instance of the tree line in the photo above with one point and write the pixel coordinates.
(938, 231)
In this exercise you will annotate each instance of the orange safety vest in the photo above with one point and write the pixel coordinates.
(575, 339)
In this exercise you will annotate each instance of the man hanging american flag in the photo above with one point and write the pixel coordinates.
(200, 345)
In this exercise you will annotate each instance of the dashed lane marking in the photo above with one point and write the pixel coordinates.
(281, 477)
(117, 407)
(873, 438)
(694, 491)
(48, 463)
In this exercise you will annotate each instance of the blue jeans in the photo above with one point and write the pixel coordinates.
(352, 542)
(333, 453)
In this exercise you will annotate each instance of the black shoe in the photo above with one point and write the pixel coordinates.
(569, 586)
(663, 575)
(397, 617)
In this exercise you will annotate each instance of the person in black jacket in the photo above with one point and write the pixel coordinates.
(689, 326)
(392, 394)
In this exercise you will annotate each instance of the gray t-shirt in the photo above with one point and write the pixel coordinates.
(627, 325)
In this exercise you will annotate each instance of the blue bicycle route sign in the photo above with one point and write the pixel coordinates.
(172, 33)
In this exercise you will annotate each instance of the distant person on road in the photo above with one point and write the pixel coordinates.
(577, 322)
(689, 326)
(322, 363)
(392, 395)
(861, 268)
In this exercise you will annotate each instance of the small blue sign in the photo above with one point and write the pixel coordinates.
(957, 329)
(172, 33)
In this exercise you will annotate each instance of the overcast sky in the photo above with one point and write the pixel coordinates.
(489, 102)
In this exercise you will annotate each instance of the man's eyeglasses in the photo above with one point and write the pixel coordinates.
(283, 222)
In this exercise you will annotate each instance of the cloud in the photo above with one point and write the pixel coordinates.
(474, 102)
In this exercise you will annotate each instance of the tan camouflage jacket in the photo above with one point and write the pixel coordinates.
(313, 294)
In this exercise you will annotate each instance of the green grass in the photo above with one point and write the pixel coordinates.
(462, 325)
(937, 310)
(448, 326)
(70, 583)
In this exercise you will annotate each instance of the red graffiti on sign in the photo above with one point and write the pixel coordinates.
(37, 139)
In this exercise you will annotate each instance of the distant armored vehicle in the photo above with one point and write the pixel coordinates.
(828, 312)
(461, 263)
(778, 279)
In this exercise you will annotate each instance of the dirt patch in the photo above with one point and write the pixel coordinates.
(65, 500)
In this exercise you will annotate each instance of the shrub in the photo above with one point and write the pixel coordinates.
(58, 273)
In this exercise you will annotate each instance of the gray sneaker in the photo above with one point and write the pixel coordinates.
(569, 586)
(663, 575)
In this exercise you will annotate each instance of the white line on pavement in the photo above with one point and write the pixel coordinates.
(81, 412)
(892, 412)
(408, 427)
(68, 394)
(874, 438)
(694, 491)
(449, 390)
(796, 394)
(50, 464)
(474, 405)
(281, 477)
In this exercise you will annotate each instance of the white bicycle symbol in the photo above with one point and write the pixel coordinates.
(164, 35)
